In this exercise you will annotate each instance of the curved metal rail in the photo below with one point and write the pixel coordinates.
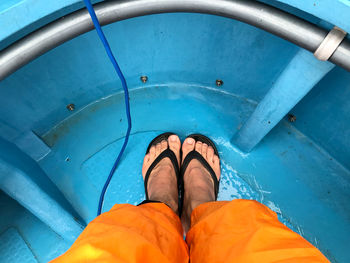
(270, 19)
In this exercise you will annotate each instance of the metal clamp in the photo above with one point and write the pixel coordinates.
(330, 44)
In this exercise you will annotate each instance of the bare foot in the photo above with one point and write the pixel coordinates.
(162, 182)
(199, 185)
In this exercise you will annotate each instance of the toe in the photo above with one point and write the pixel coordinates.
(187, 147)
(174, 142)
(163, 145)
(175, 145)
(199, 147)
(147, 157)
(216, 166)
(152, 152)
(158, 147)
(210, 154)
(204, 150)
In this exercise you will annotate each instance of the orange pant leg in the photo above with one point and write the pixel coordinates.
(245, 231)
(150, 232)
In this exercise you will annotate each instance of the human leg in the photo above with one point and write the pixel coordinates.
(150, 232)
(245, 231)
(236, 231)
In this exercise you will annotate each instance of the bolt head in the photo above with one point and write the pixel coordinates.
(144, 79)
(292, 118)
(71, 107)
(219, 82)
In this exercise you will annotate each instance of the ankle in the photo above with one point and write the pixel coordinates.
(192, 205)
(189, 206)
(166, 199)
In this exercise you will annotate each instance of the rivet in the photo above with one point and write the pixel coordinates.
(219, 82)
(144, 79)
(292, 118)
(71, 107)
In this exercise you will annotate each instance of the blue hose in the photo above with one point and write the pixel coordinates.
(126, 95)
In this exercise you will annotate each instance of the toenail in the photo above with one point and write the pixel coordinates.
(173, 138)
(190, 140)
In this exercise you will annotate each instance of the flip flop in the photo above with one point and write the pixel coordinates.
(165, 154)
(196, 155)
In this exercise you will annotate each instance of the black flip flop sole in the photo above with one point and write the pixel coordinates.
(195, 155)
(165, 154)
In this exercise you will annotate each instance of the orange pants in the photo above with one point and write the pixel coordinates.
(236, 231)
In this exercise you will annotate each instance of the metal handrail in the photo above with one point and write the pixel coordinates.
(268, 18)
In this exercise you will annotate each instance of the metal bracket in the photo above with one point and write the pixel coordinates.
(330, 44)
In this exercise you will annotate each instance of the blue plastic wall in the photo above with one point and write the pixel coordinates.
(299, 169)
